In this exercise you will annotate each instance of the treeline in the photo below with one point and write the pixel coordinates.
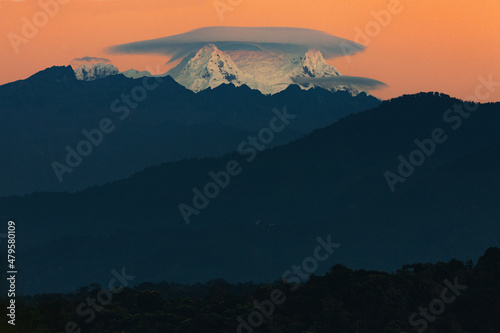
(442, 297)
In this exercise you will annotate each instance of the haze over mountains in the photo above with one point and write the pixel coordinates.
(330, 182)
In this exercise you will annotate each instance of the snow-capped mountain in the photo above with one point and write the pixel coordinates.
(95, 71)
(135, 74)
(267, 72)
(209, 67)
(314, 65)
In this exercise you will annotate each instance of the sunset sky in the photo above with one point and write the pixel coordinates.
(428, 45)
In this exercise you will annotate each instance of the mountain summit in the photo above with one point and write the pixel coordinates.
(314, 65)
(96, 71)
(54, 74)
(210, 67)
(264, 71)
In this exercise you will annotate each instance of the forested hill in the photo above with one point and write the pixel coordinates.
(456, 297)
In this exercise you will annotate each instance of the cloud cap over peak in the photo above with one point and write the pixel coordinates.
(274, 39)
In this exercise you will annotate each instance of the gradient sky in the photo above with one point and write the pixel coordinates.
(431, 45)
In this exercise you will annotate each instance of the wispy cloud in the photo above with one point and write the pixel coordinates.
(360, 83)
(91, 59)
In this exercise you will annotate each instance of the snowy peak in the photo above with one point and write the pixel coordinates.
(210, 60)
(267, 72)
(95, 71)
(135, 74)
(314, 65)
(209, 51)
(210, 67)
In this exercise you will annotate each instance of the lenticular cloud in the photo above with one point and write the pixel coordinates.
(356, 82)
(274, 39)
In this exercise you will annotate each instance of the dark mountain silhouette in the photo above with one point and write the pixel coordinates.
(47, 112)
(343, 300)
(269, 216)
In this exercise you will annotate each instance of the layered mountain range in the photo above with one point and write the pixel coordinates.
(49, 116)
(267, 217)
(233, 165)
(267, 72)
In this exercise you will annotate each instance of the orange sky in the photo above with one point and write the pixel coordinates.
(431, 45)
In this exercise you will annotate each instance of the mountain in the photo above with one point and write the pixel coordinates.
(267, 216)
(210, 67)
(314, 65)
(52, 120)
(267, 72)
(273, 73)
(100, 70)
(54, 74)
(264, 71)
(135, 74)
(95, 71)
